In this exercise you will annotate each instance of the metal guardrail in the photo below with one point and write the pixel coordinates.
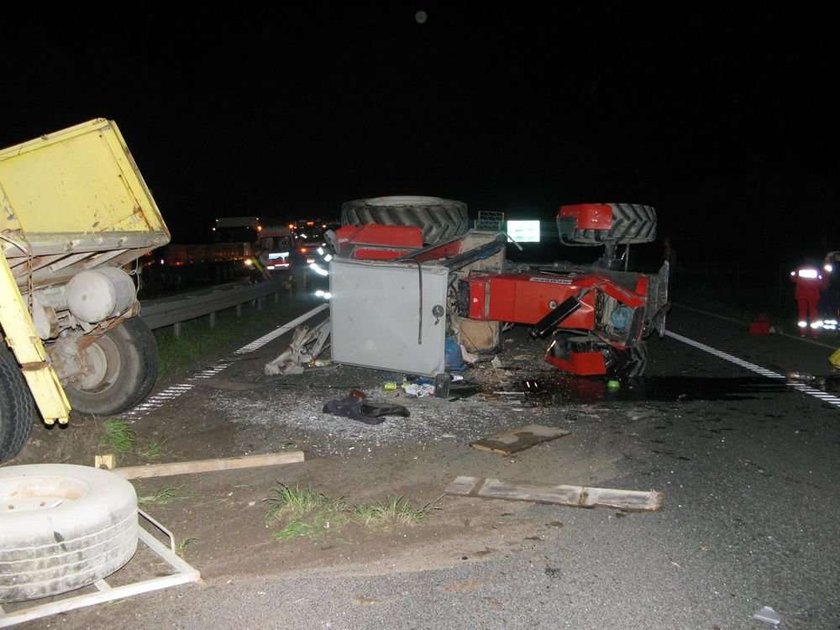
(172, 311)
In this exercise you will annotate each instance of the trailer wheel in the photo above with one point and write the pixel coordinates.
(17, 408)
(632, 223)
(441, 219)
(121, 369)
(62, 527)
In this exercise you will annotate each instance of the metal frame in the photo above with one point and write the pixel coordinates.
(184, 573)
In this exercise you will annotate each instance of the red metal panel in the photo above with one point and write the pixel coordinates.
(589, 216)
(527, 298)
(580, 363)
(408, 236)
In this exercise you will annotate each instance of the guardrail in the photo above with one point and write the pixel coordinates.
(173, 311)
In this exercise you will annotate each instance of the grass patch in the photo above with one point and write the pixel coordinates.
(119, 437)
(181, 547)
(304, 513)
(393, 511)
(197, 342)
(161, 497)
(151, 451)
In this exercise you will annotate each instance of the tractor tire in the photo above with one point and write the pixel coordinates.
(441, 219)
(627, 363)
(17, 407)
(123, 369)
(62, 527)
(632, 223)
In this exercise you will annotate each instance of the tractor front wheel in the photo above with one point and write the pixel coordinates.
(628, 362)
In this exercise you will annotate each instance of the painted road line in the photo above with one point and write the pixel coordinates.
(757, 369)
(281, 330)
(171, 393)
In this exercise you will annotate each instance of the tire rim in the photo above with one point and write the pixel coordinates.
(28, 494)
(100, 366)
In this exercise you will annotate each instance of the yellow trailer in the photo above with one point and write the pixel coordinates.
(75, 218)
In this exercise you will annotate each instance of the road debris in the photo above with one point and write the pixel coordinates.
(518, 439)
(575, 496)
(767, 615)
(361, 409)
(199, 466)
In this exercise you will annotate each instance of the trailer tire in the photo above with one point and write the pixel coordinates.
(441, 219)
(632, 223)
(125, 361)
(17, 408)
(62, 527)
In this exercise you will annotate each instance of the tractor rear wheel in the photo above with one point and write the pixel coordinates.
(17, 408)
(121, 369)
(441, 219)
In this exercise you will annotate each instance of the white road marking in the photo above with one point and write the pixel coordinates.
(172, 392)
(757, 369)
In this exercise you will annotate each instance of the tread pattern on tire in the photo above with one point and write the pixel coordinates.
(69, 545)
(17, 407)
(441, 219)
(632, 223)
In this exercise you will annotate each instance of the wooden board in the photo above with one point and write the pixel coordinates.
(209, 465)
(518, 439)
(577, 496)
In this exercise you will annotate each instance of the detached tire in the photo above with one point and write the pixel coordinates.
(62, 527)
(122, 369)
(441, 219)
(17, 408)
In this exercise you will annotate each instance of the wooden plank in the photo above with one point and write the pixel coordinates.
(518, 439)
(209, 465)
(577, 496)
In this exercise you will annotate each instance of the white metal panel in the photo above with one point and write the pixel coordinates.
(383, 315)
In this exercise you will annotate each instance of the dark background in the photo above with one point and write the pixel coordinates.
(722, 118)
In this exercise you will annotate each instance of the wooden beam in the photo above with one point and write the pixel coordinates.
(518, 439)
(576, 496)
(209, 465)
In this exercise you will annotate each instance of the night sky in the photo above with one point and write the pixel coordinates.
(724, 119)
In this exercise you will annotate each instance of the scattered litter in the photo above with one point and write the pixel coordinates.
(518, 439)
(357, 394)
(458, 391)
(496, 362)
(767, 615)
(419, 390)
(360, 409)
(575, 496)
(469, 357)
(534, 387)
(613, 384)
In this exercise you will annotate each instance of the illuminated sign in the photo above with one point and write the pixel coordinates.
(524, 231)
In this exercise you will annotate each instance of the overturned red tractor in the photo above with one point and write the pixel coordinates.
(399, 291)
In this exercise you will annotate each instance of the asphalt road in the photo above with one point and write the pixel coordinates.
(747, 463)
